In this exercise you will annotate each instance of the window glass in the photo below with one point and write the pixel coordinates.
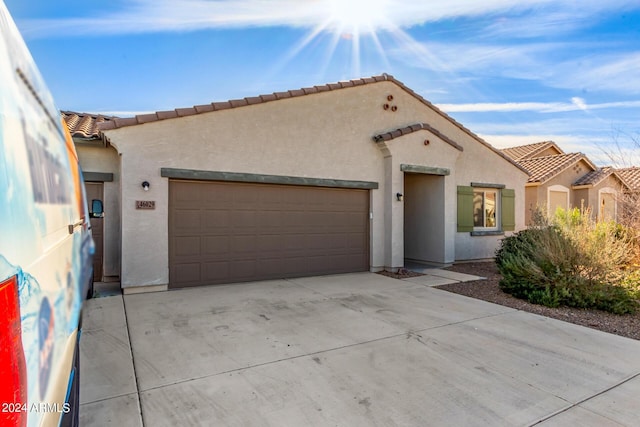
(478, 207)
(485, 207)
(490, 209)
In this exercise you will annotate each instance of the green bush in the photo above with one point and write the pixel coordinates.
(571, 261)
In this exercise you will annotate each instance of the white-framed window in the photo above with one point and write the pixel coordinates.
(486, 208)
(607, 204)
(557, 197)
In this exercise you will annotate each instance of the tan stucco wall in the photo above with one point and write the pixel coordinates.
(325, 135)
(478, 164)
(531, 202)
(538, 195)
(590, 195)
(106, 160)
(582, 197)
(551, 151)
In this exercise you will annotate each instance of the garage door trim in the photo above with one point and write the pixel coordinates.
(200, 175)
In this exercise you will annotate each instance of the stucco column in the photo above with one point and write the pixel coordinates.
(394, 215)
(450, 218)
(145, 235)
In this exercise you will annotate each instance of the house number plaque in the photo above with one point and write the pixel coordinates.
(145, 204)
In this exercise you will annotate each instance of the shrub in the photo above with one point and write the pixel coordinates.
(571, 261)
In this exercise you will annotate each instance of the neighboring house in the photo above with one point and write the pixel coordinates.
(566, 180)
(631, 199)
(601, 190)
(353, 176)
(530, 151)
(631, 177)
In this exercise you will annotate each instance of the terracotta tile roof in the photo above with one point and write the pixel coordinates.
(595, 176)
(529, 151)
(82, 125)
(116, 122)
(387, 136)
(235, 103)
(631, 177)
(541, 169)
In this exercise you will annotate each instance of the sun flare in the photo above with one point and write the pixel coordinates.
(366, 28)
(358, 17)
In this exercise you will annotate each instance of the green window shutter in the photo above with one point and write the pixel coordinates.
(465, 208)
(508, 210)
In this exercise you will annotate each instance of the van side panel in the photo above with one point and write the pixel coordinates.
(45, 240)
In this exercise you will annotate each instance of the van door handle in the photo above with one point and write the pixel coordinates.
(73, 226)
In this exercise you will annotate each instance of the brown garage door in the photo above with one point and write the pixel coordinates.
(224, 232)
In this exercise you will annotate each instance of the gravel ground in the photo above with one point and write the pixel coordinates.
(488, 290)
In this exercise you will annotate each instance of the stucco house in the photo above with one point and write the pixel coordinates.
(566, 180)
(361, 175)
(630, 209)
(631, 177)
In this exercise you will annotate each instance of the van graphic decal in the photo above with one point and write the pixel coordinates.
(45, 344)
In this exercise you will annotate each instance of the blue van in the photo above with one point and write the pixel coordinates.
(46, 247)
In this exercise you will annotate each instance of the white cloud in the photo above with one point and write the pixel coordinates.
(333, 15)
(576, 104)
(618, 72)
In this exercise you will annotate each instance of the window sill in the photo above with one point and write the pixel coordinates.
(487, 233)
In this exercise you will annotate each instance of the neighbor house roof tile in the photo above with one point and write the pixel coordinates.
(631, 177)
(595, 176)
(529, 151)
(541, 169)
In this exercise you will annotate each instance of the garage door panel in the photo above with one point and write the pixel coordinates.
(244, 232)
(244, 219)
(243, 244)
(186, 195)
(187, 273)
(209, 197)
(356, 219)
(267, 242)
(326, 241)
(188, 246)
(215, 245)
(214, 220)
(185, 220)
(242, 270)
(215, 272)
(358, 242)
(272, 219)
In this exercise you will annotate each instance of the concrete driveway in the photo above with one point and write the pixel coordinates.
(346, 350)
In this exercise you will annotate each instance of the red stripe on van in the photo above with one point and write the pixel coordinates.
(13, 372)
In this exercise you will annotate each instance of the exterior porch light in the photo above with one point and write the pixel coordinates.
(399, 196)
(145, 185)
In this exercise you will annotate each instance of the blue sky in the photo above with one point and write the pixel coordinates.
(512, 71)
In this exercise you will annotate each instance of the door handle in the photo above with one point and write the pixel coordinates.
(74, 225)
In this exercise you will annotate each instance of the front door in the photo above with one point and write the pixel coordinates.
(95, 191)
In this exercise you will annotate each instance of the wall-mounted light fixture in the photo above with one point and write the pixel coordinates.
(145, 185)
(399, 196)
